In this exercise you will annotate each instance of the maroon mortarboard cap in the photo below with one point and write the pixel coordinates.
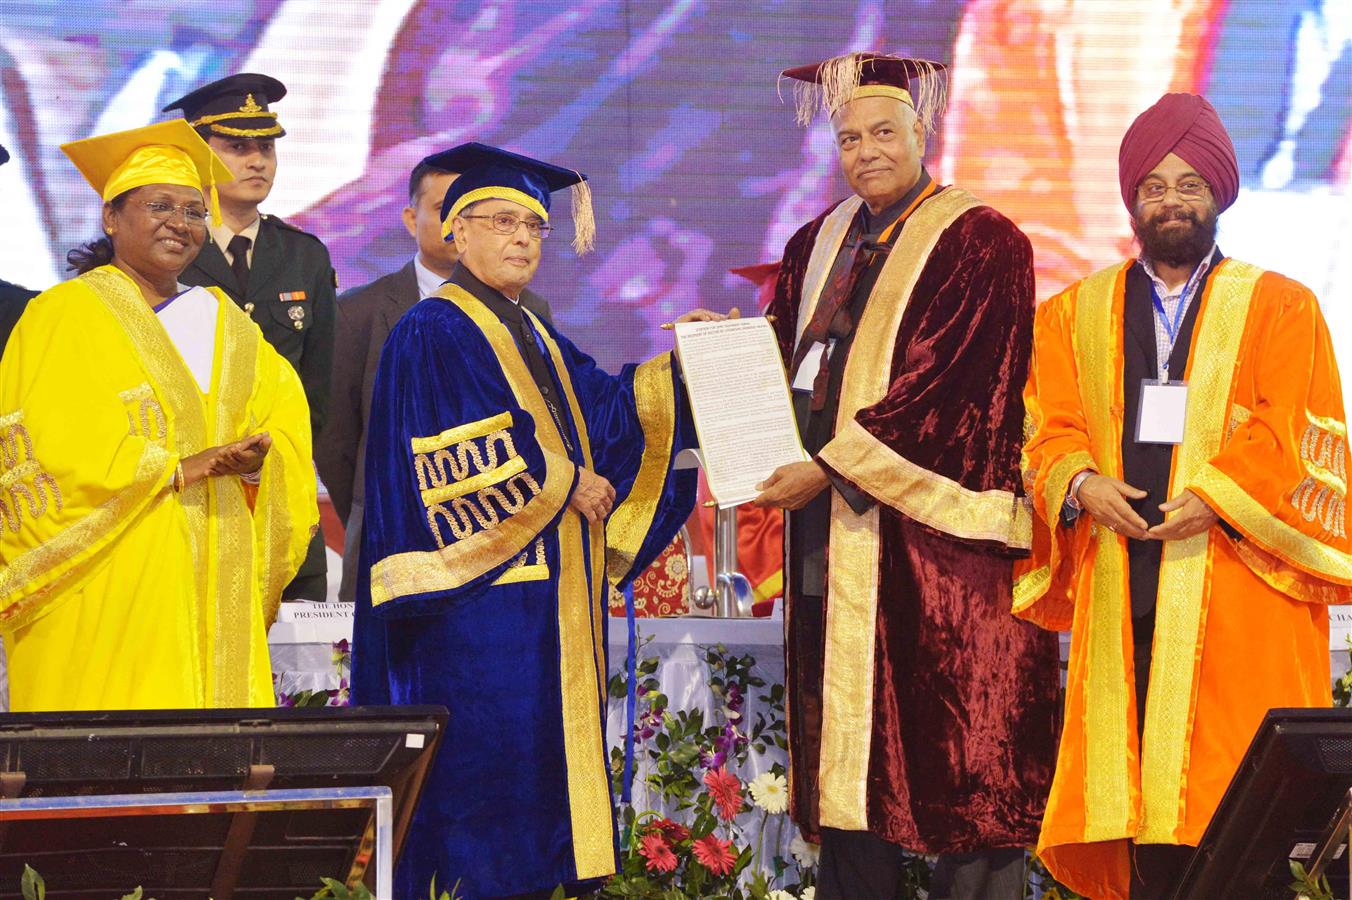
(834, 82)
(1186, 125)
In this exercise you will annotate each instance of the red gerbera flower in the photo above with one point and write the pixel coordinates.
(726, 790)
(657, 853)
(715, 855)
(671, 830)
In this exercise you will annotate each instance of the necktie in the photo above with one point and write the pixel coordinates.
(832, 318)
(539, 368)
(239, 262)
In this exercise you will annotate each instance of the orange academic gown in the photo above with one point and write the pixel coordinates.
(1241, 624)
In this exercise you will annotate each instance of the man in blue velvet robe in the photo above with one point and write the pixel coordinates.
(508, 480)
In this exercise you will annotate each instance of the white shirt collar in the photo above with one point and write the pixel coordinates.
(428, 281)
(221, 235)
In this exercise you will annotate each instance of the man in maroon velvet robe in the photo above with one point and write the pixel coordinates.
(922, 715)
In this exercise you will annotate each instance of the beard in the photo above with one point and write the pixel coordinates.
(1176, 246)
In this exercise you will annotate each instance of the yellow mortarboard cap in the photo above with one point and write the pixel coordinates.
(165, 153)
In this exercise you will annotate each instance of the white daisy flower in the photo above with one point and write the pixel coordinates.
(806, 855)
(770, 792)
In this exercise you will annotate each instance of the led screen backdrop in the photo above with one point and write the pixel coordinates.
(671, 107)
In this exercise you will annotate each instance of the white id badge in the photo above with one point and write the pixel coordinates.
(1163, 411)
(807, 372)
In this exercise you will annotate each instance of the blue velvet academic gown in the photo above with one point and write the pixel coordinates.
(482, 591)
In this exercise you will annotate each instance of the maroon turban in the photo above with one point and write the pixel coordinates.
(1187, 125)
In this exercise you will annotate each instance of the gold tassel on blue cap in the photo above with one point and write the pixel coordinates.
(584, 218)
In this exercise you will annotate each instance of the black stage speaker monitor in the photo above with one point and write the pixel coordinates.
(281, 853)
(1288, 795)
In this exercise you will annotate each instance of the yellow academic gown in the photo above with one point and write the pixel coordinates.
(115, 591)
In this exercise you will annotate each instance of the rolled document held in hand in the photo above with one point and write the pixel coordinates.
(740, 400)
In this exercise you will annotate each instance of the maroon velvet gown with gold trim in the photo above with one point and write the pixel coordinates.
(963, 696)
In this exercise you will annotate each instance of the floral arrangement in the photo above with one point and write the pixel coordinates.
(716, 833)
(709, 839)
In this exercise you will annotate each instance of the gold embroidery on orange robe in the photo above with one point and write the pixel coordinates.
(1322, 494)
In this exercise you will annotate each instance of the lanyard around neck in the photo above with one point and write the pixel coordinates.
(1172, 327)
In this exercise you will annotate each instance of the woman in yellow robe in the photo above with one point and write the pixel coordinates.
(156, 490)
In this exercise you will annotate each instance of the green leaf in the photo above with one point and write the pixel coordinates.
(335, 889)
(32, 885)
(743, 860)
(134, 895)
(558, 894)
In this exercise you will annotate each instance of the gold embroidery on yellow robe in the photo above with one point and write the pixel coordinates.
(130, 596)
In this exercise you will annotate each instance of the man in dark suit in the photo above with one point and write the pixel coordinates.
(13, 299)
(365, 316)
(281, 276)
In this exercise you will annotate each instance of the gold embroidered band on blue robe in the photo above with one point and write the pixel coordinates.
(482, 589)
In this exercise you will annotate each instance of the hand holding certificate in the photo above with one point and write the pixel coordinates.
(740, 401)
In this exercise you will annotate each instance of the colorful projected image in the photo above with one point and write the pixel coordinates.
(671, 108)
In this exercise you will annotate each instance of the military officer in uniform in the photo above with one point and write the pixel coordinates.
(281, 276)
(13, 299)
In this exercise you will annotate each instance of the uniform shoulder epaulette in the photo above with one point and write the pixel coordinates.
(282, 223)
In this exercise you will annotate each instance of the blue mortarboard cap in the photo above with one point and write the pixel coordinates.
(489, 173)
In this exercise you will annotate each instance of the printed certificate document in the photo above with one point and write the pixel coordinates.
(740, 400)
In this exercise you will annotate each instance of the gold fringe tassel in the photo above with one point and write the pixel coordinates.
(840, 76)
(584, 219)
(215, 200)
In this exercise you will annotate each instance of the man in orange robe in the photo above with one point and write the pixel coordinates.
(1191, 538)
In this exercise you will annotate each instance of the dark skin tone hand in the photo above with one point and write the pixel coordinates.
(243, 457)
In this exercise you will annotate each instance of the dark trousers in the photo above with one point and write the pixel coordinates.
(1155, 868)
(858, 865)
(312, 581)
